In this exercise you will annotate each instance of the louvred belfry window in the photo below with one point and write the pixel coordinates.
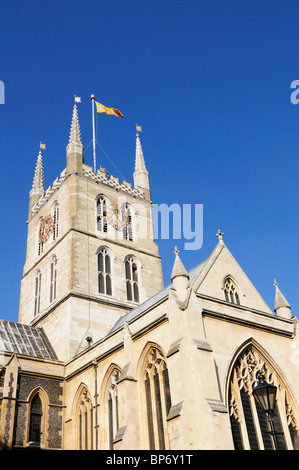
(55, 228)
(37, 292)
(128, 227)
(104, 272)
(102, 224)
(132, 285)
(53, 279)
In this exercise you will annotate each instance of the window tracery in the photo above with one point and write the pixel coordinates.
(104, 272)
(112, 407)
(250, 427)
(157, 399)
(85, 420)
(55, 227)
(102, 223)
(128, 228)
(53, 278)
(37, 292)
(231, 292)
(132, 283)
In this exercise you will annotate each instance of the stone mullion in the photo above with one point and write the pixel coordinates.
(154, 407)
(236, 390)
(163, 404)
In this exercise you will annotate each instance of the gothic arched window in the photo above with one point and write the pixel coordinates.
(85, 421)
(231, 292)
(37, 292)
(102, 224)
(112, 407)
(53, 278)
(157, 399)
(104, 272)
(55, 219)
(40, 240)
(128, 228)
(249, 424)
(132, 279)
(36, 414)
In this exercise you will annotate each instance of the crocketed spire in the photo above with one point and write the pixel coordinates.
(38, 180)
(139, 158)
(74, 149)
(141, 176)
(75, 134)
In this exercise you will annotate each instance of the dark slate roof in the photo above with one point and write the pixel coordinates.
(25, 339)
(155, 299)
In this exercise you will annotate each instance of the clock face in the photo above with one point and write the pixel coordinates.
(45, 228)
(117, 216)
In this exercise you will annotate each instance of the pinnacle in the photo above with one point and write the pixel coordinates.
(178, 267)
(139, 159)
(38, 180)
(280, 300)
(75, 134)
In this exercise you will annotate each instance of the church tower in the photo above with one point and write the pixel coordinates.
(91, 255)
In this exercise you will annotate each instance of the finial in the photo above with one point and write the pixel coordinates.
(77, 99)
(275, 283)
(138, 129)
(220, 234)
(42, 146)
(176, 251)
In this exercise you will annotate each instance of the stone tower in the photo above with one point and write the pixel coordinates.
(91, 255)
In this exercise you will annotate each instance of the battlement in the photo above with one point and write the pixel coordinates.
(101, 176)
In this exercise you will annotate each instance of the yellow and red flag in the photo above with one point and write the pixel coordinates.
(104, 109)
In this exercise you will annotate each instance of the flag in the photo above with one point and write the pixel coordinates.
(138, 128)
(77, 99)
(42, 146)
(104, 109)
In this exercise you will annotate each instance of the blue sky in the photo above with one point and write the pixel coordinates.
(209, 81)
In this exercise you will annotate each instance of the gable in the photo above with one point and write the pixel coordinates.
(218, 268)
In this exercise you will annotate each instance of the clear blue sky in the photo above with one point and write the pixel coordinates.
(209, 81)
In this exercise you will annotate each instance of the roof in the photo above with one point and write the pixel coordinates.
(25, 339)
(154, 300)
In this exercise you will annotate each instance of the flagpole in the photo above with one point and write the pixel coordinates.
(94, 138)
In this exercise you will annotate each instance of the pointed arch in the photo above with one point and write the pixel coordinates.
(132, 275)
(128, 233)
(105, 264)
(40, 242)
(231, 290)
(102, 203)
(38, 417)
(55, 217)
(82, 413)
(250, 428)
(155, 396)
(53, 278)
(109, 396)
(37, 291)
